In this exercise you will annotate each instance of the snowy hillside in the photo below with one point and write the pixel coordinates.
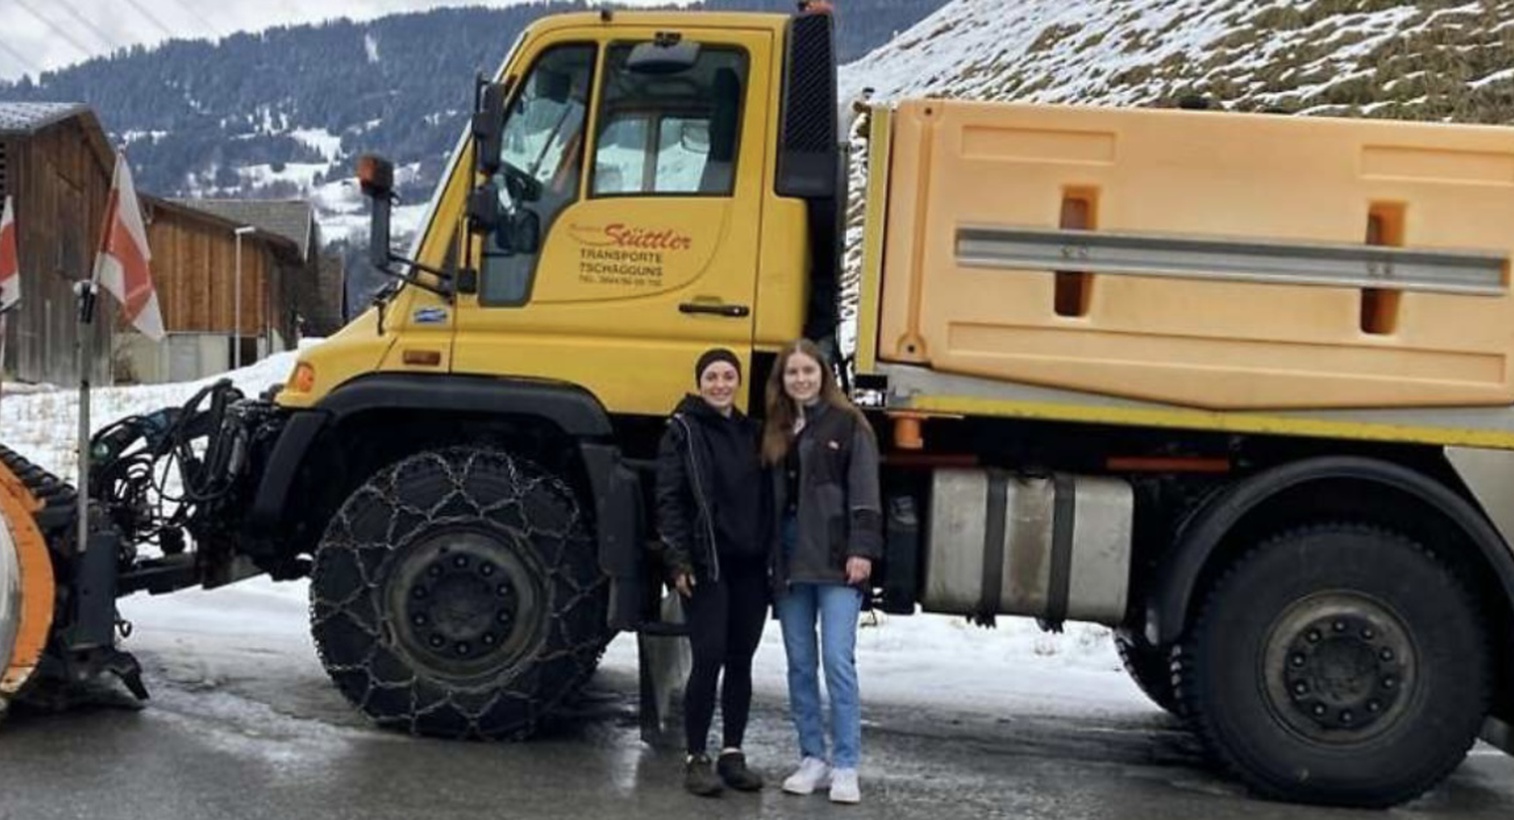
(922, 659)
(1389, 58)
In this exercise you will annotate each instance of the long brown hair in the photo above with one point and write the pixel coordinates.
(778, 428)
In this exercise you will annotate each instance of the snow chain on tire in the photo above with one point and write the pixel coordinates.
(455, 521)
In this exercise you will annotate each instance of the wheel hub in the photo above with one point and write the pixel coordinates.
(1338, 668)
(463, 602)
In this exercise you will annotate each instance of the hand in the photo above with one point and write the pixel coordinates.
(858, 570)
(684, 583)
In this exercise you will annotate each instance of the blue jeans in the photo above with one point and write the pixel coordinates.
(836, 607)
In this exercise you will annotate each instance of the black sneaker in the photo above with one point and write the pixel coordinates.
(733, 771)
(699, 777)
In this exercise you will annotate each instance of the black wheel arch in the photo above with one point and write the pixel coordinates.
(375, 419)
(1199, 549)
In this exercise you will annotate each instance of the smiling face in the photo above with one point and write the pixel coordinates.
(801, 378)
(717, 385)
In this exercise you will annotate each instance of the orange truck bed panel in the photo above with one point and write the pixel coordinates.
(1253, 332)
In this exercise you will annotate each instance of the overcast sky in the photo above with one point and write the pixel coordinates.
(38, 35)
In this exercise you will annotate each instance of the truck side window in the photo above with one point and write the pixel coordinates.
(543, 155)
(670, 133)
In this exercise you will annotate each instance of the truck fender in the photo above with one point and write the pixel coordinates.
(570, 407)
(1168, 602)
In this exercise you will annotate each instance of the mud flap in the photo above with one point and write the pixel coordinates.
(664, 659)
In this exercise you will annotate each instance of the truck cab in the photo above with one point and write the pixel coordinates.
(654, 185)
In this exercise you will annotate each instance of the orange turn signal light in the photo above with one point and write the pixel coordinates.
(375, 174)
(423, 358)
(302, 380)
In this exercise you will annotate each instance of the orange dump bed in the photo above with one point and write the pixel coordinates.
(1208, 259)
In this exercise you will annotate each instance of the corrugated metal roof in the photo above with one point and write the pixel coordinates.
(291, 219)
(26, 117)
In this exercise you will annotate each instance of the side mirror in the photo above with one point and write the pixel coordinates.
(664, 56)
(524, 229)
(484, 210)
(489, 128)
(375, 176)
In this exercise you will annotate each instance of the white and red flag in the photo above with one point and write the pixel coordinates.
(122, 264)
(10, 260)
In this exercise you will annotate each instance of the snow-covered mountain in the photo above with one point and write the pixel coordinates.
(1405, 59)
(284, 112)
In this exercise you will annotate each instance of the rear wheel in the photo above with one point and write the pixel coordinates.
(1338, 664)
(457, 594)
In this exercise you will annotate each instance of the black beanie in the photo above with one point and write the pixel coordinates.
(713, 355)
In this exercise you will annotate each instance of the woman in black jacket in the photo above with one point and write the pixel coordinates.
(711, 518)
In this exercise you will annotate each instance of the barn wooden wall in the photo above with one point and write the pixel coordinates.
(194, 266)
(60, 187)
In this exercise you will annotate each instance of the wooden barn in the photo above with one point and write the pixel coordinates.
(56, 163)
(314, 291)
(196, 257)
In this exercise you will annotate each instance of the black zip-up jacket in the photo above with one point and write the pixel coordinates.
(710, 493)
(838, 508)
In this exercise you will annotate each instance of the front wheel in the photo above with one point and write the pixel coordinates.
(456, 594)
(1338, 664)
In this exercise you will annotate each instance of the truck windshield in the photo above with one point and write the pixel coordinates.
(543, 131)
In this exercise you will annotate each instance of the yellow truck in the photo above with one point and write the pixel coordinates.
(1236, 385)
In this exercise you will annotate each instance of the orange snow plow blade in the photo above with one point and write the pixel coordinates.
(26, 587)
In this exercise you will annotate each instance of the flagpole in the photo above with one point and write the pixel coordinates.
(4, 326)
(85, 289)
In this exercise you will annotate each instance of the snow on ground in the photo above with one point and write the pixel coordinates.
(926, 660)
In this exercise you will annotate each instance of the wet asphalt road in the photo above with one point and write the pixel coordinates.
(239, 745)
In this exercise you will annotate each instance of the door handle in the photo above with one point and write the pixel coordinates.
(729, 311)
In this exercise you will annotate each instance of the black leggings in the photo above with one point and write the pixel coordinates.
(725, 621)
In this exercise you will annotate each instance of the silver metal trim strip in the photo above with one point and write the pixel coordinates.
(1476, 273)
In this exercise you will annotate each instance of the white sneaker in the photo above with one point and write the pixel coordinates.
(844, 788)
(813, 773)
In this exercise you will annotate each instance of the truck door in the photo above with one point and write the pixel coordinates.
(645, 189)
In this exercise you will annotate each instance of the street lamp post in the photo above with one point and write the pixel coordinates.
(236, 333)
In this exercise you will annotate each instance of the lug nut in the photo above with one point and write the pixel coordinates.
(1386, 654)
(1319, 710)
(1389, 682)
(1339, 626)
(419, 593)
(462, 649)
(486, 570)
(1374, 707)
(488, 639)
(503, 590)
(1298, 659)
(503, 617)
(1313, 636)
(435, 571)
(1346, 717)
(460, 561)
(436, 642)
(1368, 634)
(1300, 688)
(419, 620)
